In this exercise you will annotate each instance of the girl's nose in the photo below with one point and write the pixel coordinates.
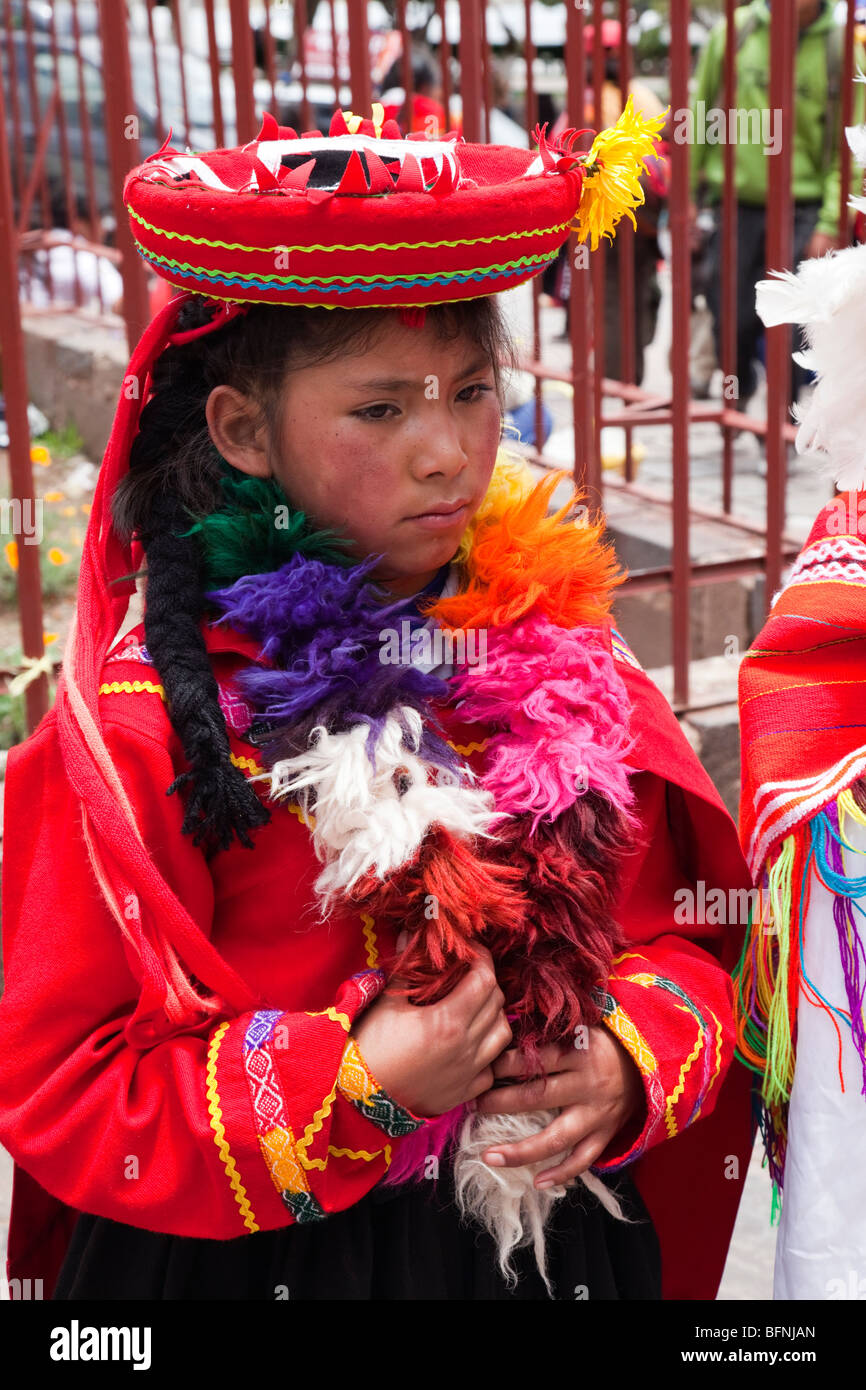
(440, 447)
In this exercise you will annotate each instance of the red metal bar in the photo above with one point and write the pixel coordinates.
(178, 30)
(123, 154)
(359, 58)
(66, 163)
(445, 64)
(300, 20)
(471, 67)
(34, 107)
(681, 278)
(783, 26)
(404, 118)
(12, 66)
(37, 170)
(531, 123)
(20, 468)
(213, 59)
(156, 83)
(846, 111)
(598, 262)
(86, 146)
(625, 241)
(335, 51)
(270, 59)
(582, 401)
(242, 68)
(486, 71)
(729, 235)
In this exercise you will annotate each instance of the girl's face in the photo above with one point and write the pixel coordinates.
(393, 446)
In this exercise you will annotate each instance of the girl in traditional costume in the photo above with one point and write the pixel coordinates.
(802, 976)
(340, 897)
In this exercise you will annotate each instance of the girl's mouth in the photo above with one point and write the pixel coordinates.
(446, 515)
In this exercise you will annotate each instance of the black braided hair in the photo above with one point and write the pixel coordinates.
(175, 476)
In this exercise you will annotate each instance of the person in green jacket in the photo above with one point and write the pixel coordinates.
(757, 131)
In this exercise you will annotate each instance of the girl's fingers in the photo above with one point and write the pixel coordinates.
(545, 1093)
(577, 1162)
(556, 1139)
(496, 1040)
(513, 1063)
(488, 1017)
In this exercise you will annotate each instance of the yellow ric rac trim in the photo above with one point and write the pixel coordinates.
(627, 955)
(340, 246)
(671, 1100)
(466, 748)
(216, 1121)
(370, 938)
(313, 1128)
(131, 688)
(331, 1012)
(361, 1154)
(249, 764)
(712, 1080)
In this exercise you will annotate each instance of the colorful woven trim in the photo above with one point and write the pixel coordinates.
(355, 1082)
(272, 1118)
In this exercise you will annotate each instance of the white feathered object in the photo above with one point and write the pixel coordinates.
(827, 295)
(373, 818)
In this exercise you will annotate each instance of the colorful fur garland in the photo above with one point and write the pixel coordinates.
(524, 862)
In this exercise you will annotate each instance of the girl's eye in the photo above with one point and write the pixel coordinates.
(375, 412)
(475, 392)
(380, 412)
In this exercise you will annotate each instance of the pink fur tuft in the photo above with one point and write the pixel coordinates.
(412, 1160)
(565, 712)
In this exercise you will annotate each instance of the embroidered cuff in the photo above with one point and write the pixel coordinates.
(357, 1084)
(618, 1021)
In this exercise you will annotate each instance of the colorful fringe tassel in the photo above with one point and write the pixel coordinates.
(771, 974)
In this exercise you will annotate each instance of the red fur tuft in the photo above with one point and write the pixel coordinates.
(454, 900)
(568, 870)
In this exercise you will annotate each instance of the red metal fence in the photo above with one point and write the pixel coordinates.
(62, 85)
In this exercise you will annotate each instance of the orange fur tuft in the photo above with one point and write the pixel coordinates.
(523, 560)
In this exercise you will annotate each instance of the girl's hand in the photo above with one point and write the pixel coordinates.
(433, 1057)
(598, 1089)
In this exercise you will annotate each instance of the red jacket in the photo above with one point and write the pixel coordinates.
(249, 1123)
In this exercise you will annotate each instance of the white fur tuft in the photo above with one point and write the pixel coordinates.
(367, 818)
(504, 1200)
(827, 295)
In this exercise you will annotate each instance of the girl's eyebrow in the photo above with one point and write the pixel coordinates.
(392, 383)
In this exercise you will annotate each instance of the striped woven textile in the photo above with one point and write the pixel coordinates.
(803, 745)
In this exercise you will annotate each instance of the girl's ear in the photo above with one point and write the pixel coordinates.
(238, 432)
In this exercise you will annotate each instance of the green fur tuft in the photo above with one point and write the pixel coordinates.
(258, 530)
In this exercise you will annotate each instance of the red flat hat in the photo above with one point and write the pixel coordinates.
(365, 218)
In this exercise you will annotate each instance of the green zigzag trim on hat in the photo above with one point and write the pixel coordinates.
(340, 246)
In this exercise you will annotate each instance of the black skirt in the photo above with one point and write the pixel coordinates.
(396, 1243)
